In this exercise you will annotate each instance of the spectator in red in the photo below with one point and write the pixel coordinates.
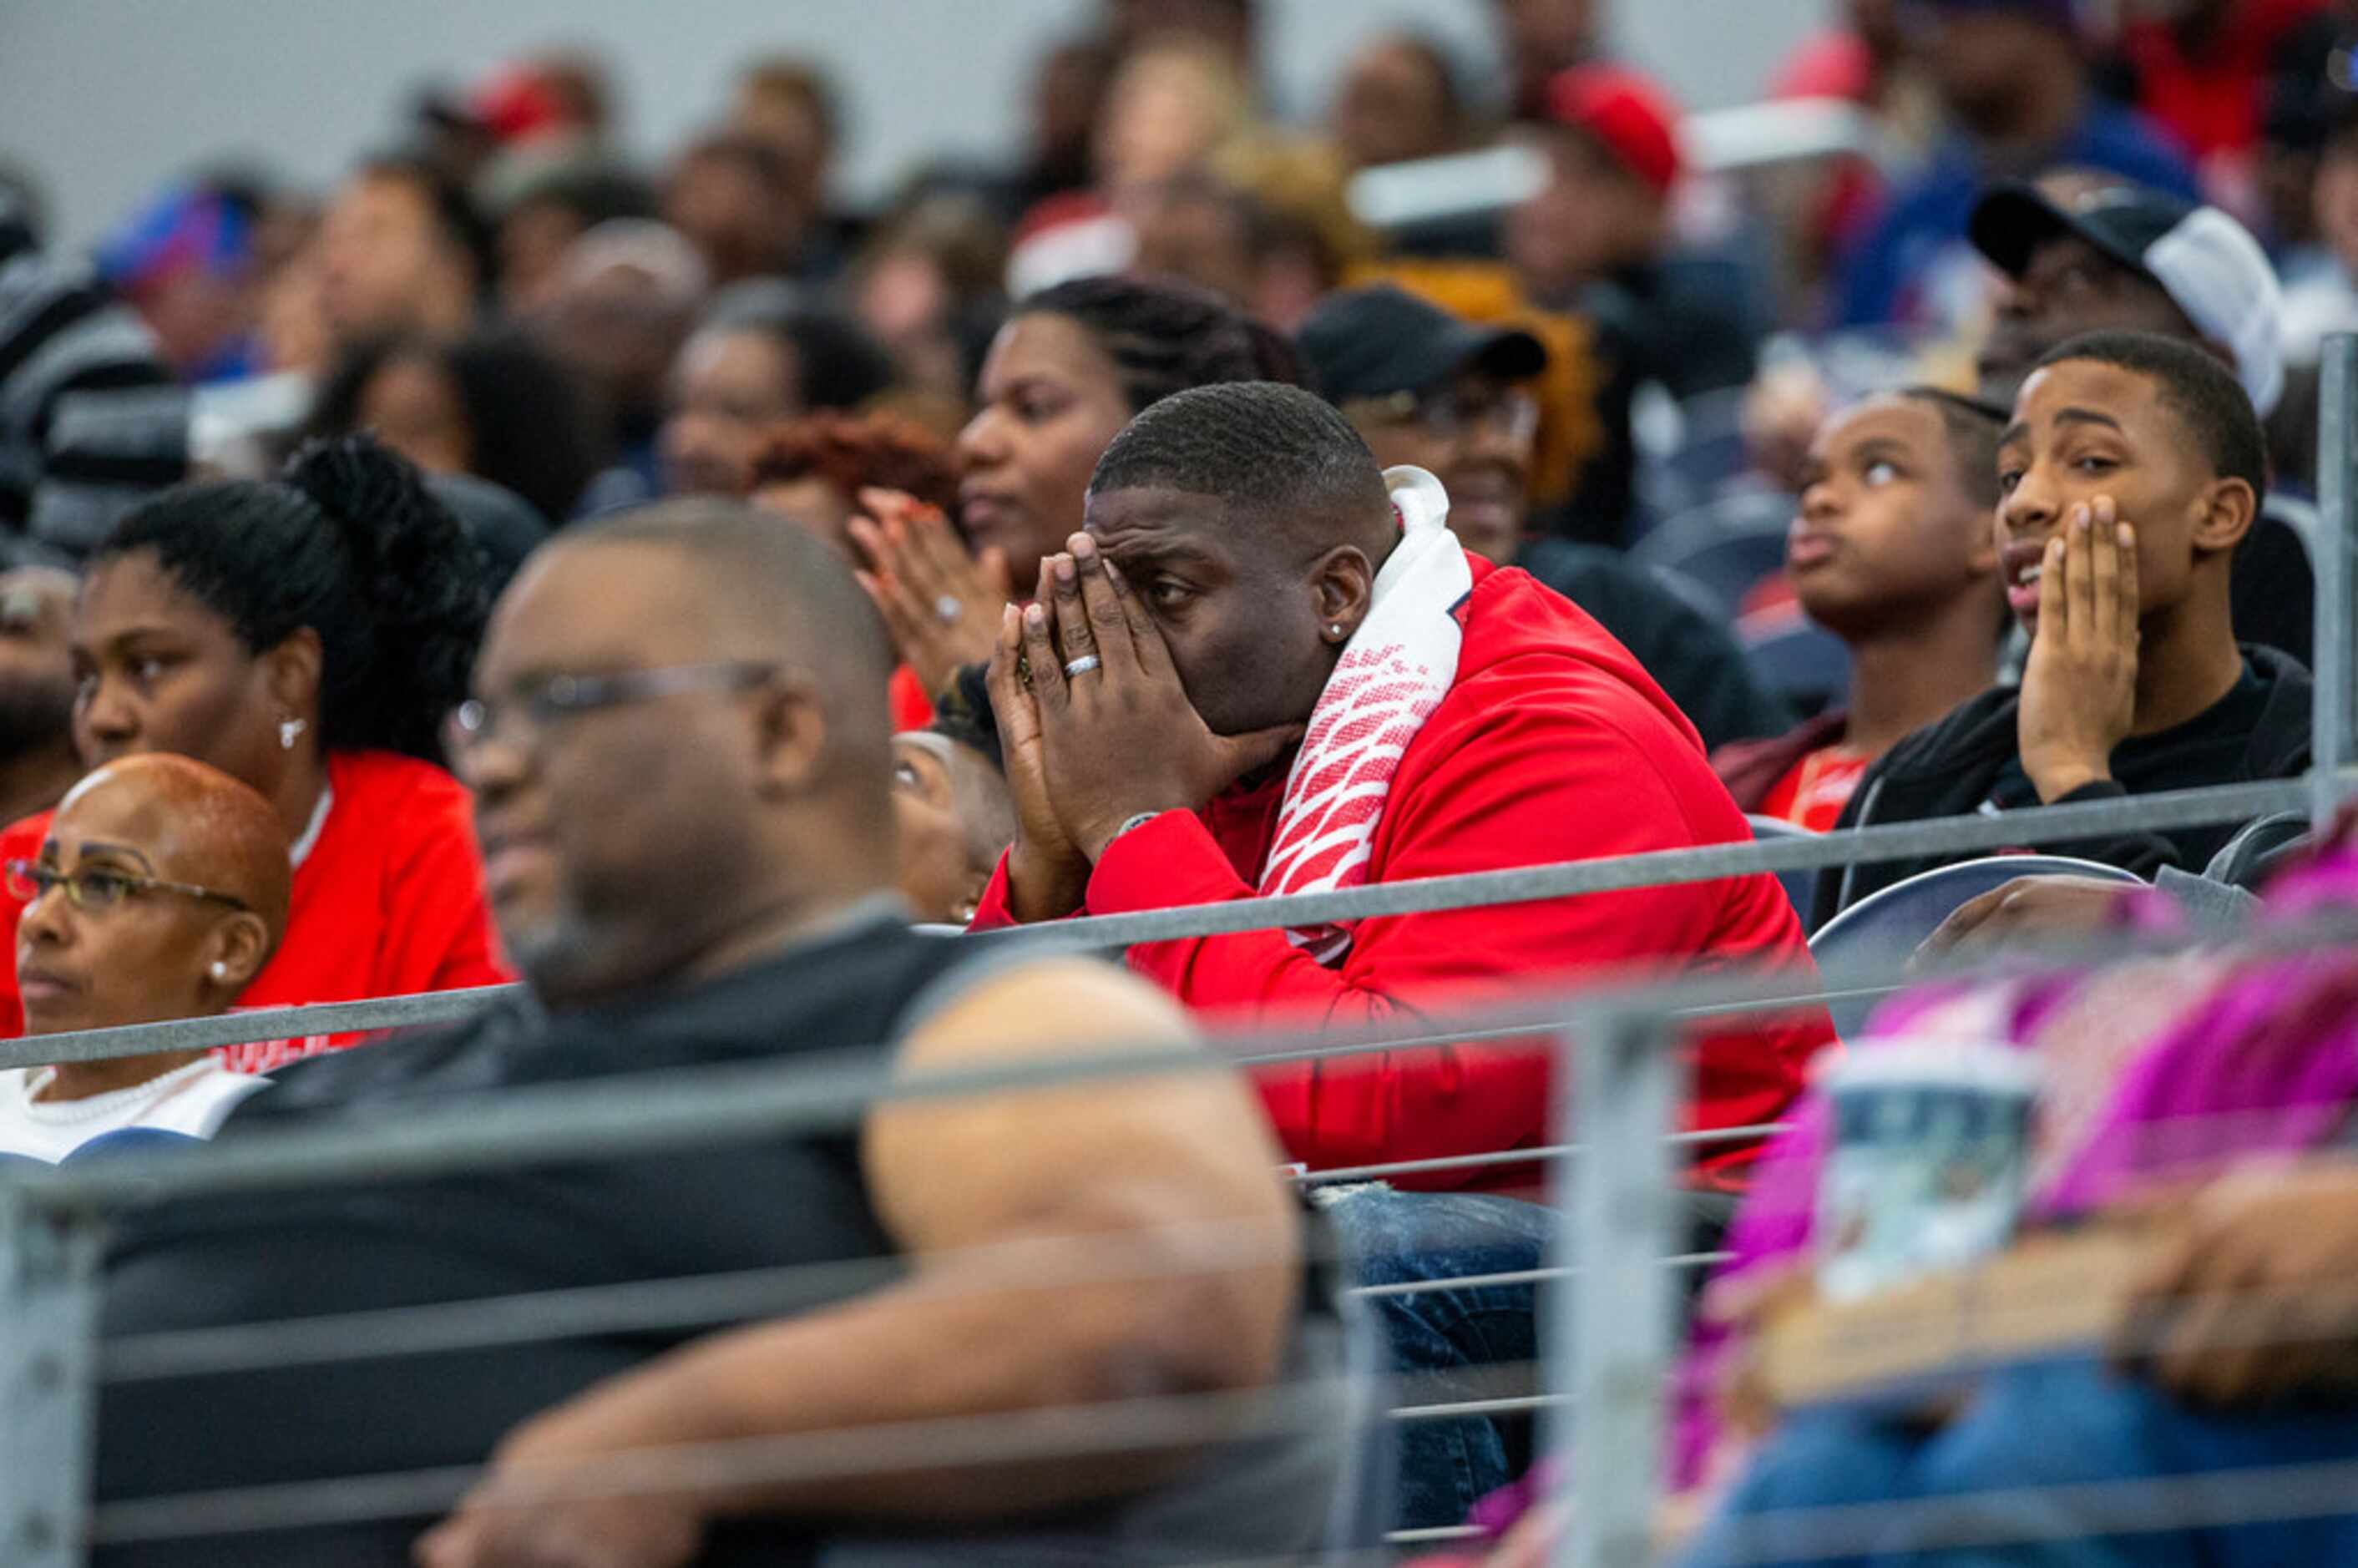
(814, 470)
(1894, 553)
(307, 636)
(1201, 680)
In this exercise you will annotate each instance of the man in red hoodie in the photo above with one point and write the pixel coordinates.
(1240, 539)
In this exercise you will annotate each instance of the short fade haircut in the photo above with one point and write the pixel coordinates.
(2203, 393)
(1261, 446)
(1973, 427)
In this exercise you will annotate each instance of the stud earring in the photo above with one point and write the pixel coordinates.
(220, 970)
(289, 730)
(1335, 631)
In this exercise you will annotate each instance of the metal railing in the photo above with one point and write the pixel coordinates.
(1617, 1085)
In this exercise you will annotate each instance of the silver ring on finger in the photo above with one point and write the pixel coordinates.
(1081, 666)
(946, 609)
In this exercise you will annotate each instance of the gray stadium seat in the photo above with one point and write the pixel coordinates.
(1881, 931)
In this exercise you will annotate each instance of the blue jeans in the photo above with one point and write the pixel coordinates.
(1987, 1480)
(1439, 1336)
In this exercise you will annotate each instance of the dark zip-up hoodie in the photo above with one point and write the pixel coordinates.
(1949, 768)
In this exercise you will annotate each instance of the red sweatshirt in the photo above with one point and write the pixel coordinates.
(388, 901)
(1553, 745)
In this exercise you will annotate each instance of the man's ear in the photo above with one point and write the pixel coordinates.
(790, 738)
(2228, 509)
(235, 951)
(1344, 582)
(292, 670)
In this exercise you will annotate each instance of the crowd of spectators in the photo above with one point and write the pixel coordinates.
(666, 584)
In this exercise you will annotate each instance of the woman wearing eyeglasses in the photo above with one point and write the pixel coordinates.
(305, 636)
(159, 891)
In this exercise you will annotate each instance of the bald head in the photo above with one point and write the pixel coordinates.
(768, 589)
(731, 763)
(191, 823)
(166, 888)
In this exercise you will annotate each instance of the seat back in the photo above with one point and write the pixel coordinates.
(1806, 664)
(2260, 849)
(1881, 931)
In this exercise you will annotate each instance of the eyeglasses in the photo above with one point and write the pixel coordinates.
(1513, 414)
(561, 697)
(94, 888)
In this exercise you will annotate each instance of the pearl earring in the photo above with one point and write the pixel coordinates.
(289, 730)
(1335, 629)
(220, 970)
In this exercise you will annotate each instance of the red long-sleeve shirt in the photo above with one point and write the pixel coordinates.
(389, 901)
(1553, 745)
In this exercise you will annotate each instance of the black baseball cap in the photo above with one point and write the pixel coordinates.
(2208, 264)
(1375, 342)
(2013, 220)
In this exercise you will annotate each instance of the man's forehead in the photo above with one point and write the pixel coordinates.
(2058, 251)
(1158, 516)
(2061, 392)
(1903, 420)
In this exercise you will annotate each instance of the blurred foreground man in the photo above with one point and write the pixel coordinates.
(681, 757)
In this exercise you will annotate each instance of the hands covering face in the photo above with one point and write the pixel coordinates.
(2079, 689)
(941, 604)
(1095, 723)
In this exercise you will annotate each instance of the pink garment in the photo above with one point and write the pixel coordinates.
(2262, 1061)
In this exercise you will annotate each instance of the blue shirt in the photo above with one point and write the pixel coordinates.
(1913, 263)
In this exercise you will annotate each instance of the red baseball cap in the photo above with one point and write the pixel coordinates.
(1626, 111)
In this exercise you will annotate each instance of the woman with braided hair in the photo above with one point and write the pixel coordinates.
(305, 636)
(1072, 366)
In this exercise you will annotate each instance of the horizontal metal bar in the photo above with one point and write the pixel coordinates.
(1662, 868)
(1517, 1405)
(1439, 1533)
(1147, 1253)
(1422, 895)
(1521, 1277)
(648, 1113)
(416, 1011)
(1342, 1173)
(1152, 1423)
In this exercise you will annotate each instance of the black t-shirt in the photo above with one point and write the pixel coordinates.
(724, 1207)
(353, 1248)
(2204, 750)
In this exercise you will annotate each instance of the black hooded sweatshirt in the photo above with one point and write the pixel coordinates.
(1970, 763)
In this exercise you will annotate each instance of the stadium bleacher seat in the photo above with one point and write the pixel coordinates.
(1883, 929)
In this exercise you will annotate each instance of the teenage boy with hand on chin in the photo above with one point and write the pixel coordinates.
(2133, 467)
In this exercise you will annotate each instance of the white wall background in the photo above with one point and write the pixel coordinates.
(105, 98)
